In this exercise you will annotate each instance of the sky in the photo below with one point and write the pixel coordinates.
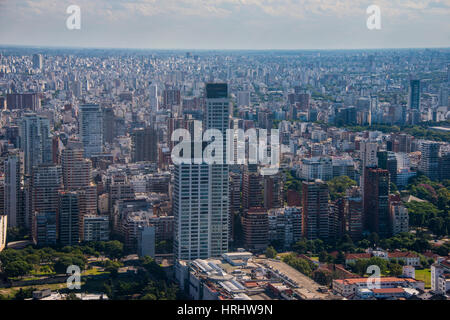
(226, 24)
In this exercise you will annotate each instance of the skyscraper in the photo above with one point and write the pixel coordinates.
(201, 191)
(12, 192)
(75, 168)
(252, 187)
(429, 159)
(414, 94)
(38, 61)
(315, 196)
(91, 129)
(46, 181)
(69, 212)
(35, 141)
(109, 122)
(144, 144)
(154, 103)
(376, 201)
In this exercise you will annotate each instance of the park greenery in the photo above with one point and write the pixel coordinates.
(339, 185)
(420, 131)
(18, 263)
(435, 213)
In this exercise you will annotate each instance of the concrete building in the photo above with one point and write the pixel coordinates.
(201, 191)
(285, 225)
(399, 217)
(376, 201)
(96, 228)
(147, 241)
(315, 196)
(429, 159)
(91, 129)
(316, 168)
(35, 141)
(256, 229)
(440, 276)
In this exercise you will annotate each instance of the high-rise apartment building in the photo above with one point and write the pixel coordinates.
(91, 129)
(256, 229)
(154, 103)
(109, 124)
(201, 191)
(315, 196)
(38, 61)
(429, 159)
(414, 94)
(376, 201)
(69, 212)
(252, 189)
(12, 190)
(35, 141)
(77, 171)
(144, 144)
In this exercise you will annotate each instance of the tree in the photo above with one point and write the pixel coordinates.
(271, 253)
(323, 256)
(374, 238)
(17, 268)
(339, 185)
(340, 258)
(322, 277)
(395, 269)
(114, 249)
(72, 296)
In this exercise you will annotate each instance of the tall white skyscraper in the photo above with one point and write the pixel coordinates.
(201, 191)
(91, 129)
(35, 141)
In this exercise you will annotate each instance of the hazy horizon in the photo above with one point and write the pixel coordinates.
(226, 24)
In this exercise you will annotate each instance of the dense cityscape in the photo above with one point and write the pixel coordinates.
(88, 180)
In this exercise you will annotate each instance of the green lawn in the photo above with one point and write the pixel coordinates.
(9, 293)
(425, 276)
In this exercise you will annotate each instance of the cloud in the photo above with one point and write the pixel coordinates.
(232, 23)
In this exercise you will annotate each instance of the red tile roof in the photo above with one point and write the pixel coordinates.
(349, 256)
(399, 254)
(388, 290)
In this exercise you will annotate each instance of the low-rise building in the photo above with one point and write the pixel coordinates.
(440, 272)
(350, 287)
